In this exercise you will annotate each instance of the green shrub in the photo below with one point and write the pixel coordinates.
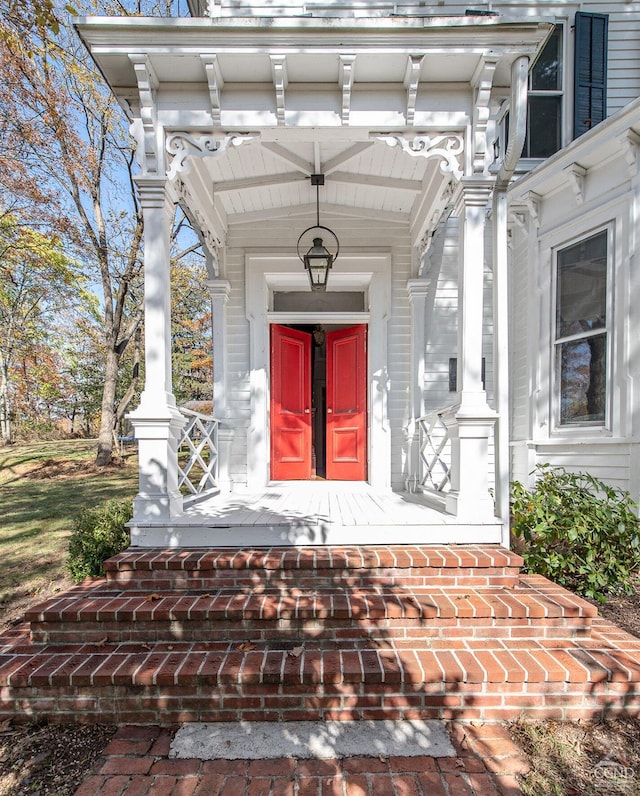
(98, 533)
(577, 531)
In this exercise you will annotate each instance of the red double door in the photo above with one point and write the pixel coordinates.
(291, 418)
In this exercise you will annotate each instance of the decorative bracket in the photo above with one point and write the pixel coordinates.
(630, 142)
(280, 82)
(448, 147)
(215, 82)
(346, 80)
(576, 174)
(184, 146)
(533, 201)
(411, 82)
(143, 129)
(482, 82)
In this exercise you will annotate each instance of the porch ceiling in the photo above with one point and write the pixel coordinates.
(314, 92)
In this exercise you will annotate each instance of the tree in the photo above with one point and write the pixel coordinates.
(71, 140)
(37, 280)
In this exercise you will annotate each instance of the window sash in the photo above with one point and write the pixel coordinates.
(581, 358)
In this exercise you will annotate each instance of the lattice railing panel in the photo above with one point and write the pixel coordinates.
(198, 455)
(435, 453)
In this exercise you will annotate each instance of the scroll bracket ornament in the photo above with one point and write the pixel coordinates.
(185, 146)
(448, 147)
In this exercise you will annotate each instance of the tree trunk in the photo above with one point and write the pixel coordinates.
(107, 418)
(5, 407)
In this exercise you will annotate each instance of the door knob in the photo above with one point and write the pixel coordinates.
(306, 411)
(329, 411)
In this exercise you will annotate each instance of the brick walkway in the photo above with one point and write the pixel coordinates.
(136, 763)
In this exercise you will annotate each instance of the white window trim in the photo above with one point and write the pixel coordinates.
(587, 428)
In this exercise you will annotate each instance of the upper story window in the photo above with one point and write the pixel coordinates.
(581, 332)
(544, 111)
(548, 90)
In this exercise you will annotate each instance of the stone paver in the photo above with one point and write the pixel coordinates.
(136, 764)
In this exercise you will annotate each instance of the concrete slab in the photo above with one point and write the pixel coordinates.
(253, 740)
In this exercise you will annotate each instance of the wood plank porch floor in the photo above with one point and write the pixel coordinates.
(315, 512)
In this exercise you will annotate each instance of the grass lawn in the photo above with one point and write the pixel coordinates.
(43, 486)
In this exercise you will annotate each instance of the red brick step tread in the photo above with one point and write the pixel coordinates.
(202, 568)
(341, 613)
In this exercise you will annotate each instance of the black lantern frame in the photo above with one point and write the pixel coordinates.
(318, 260)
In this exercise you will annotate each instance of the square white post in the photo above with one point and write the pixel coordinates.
(157, 422)
(219, 290)
(418, 290)
(471, 420)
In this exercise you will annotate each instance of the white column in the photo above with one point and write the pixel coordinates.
(219, 290)
(471, 421)
(157, 421)
(418, 290)
(501, 360)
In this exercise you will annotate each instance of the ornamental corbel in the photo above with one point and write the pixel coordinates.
(576, 174)
(280, 83)
(630, 142)
(448, 147)
(346, 81)
(482, 81)
(411, 81)
(143, 129)
(184, 146)
(533, 201)
(215, 83)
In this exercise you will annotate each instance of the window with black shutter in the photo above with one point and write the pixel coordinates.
(590, 73)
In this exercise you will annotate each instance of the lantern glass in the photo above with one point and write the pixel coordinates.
(318, 261)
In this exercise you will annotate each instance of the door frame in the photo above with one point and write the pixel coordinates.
(367, 271)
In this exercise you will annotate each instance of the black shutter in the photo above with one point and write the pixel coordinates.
(590, 71)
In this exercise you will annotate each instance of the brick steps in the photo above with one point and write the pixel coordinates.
(340, 633)
(325, 616)
(317, 567)
(167, 683)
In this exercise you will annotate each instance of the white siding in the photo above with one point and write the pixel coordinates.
(609, 200)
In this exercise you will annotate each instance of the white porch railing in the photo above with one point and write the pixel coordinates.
(198, 456)
(435, 453)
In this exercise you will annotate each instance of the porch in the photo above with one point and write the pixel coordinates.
(314, 513)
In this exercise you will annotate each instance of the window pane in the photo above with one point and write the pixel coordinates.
(543, 126)
(546, 74)
(582, 377)
(581, 304)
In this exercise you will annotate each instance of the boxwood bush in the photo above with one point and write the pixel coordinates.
(98, 534)
(577, 531)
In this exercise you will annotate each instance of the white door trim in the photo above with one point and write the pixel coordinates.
(263, 273)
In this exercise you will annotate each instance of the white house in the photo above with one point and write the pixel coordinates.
(379, 408)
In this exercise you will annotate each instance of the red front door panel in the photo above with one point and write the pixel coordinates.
(347, 404)
(290, 404)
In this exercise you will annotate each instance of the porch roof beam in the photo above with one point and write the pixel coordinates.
(377, 182)
(343, 211)
(344, 157)
(289, 157)
(248, 183)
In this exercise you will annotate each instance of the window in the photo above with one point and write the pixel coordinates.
(544, 110)
(581, 332)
